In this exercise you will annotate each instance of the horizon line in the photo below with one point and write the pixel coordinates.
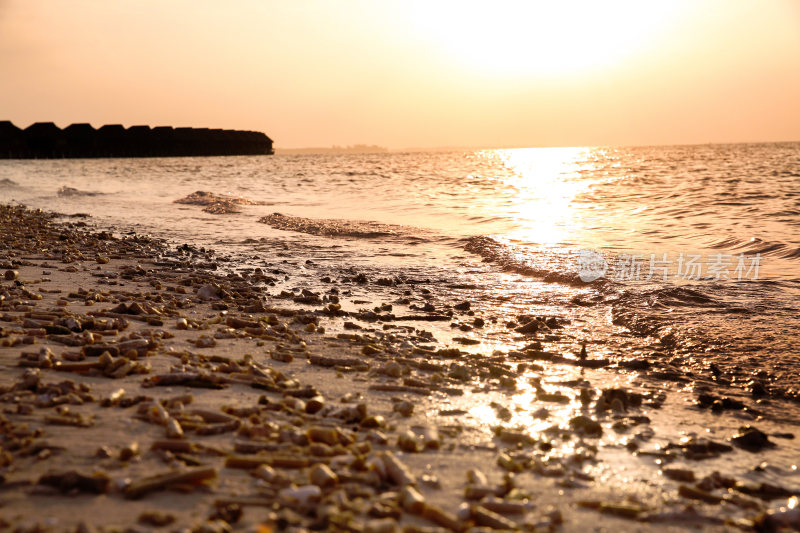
(442, 148)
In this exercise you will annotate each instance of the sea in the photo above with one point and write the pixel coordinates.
(687, 256)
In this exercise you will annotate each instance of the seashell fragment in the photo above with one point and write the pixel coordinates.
(139, 488)
(484, 517)
(396, 471)
(411, 500)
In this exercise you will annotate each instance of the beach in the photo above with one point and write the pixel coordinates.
(399, 267)
(146, 386)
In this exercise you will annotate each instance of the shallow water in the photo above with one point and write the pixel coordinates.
(679, 232)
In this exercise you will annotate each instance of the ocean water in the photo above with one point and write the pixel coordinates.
(688, 255)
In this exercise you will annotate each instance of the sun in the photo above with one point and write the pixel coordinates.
(543, 38)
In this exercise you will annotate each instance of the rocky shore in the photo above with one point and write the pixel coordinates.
(146, 386)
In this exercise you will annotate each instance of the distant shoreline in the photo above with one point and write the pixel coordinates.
(355, 149)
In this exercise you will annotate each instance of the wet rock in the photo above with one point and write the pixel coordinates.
(618, 400)
(586, 426)
(694, 493)
(308, 297)
(697, 449)
(404, 407)
(459, 372)
(704, 400)
(514, 437)
(530, 328)
(679, 474)
(757, 388)
(780, 519)
(725, 404)
(553, 397)
(553, 323)
(764, 491)
(370, 349)
(717, 404)
(752, 439)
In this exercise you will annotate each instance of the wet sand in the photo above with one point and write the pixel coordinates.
(146, 387)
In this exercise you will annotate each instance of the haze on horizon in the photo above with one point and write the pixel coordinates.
(411, 74)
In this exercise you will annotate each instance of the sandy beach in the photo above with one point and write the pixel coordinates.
(145, 387)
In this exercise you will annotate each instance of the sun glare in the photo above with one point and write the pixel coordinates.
(543, 38)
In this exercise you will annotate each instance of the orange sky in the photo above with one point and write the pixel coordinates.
(411, 74)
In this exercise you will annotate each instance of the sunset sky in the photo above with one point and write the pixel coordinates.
(411, 74)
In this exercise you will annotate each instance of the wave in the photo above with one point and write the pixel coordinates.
(341, 228)
(217, 204)
(686, 316)
(553, 266)
(71, 191)
(758, 246)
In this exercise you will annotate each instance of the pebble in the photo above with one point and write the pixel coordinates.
(404, 407)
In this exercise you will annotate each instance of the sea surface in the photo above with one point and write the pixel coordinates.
(693, 251)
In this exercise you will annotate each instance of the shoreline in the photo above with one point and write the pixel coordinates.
(264, 398)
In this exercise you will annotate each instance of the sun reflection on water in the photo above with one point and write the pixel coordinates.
(535, 407)
(547, 181)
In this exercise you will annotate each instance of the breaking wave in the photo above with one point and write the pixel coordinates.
(71, 191)
(341, 228)
(550, 265)
(217, 204)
